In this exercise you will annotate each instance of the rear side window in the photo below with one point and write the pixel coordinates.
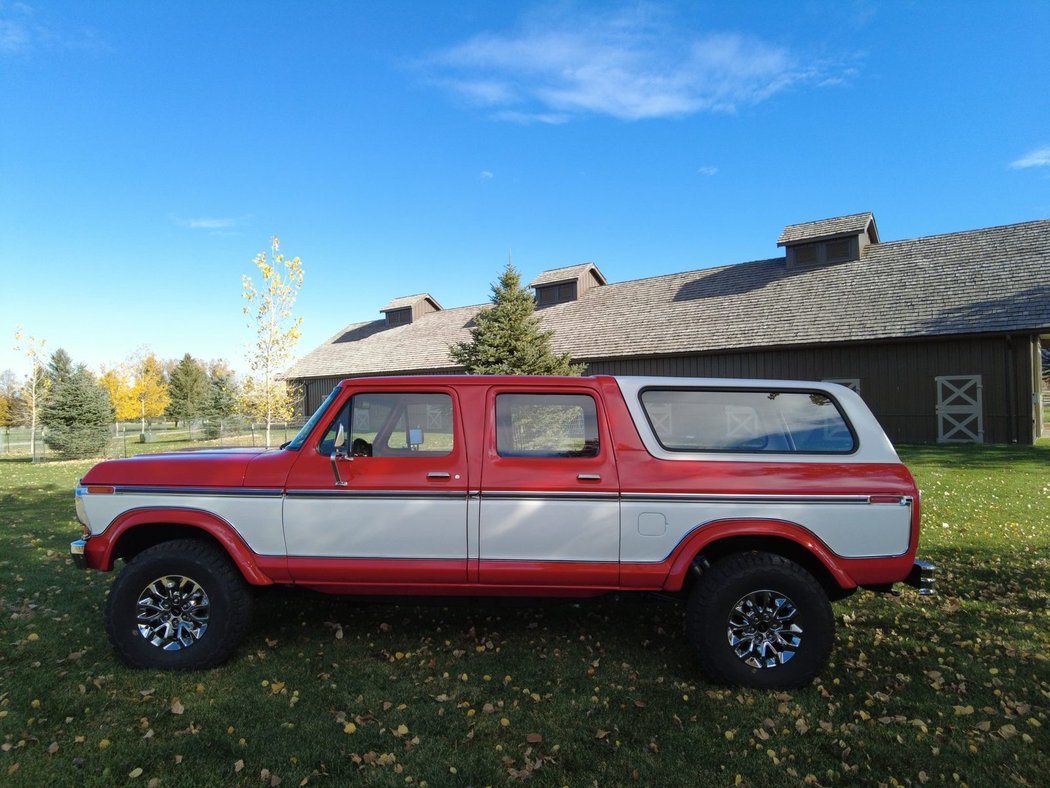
(546, 425)
(807, 422)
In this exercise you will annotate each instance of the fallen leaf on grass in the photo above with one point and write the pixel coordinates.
(135, 773)
(176, 706)
(534, 738)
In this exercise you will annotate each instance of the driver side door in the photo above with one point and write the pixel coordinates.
(397, 513)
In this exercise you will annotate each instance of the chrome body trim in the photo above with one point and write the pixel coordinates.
(399, 495)
(235, 492)
(923, 577)
(76, 552)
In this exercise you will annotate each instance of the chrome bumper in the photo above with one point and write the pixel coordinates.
(923, 576)
(76, 551)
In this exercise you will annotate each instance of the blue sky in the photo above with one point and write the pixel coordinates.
(148, 151)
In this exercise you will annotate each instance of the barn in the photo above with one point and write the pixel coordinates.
(941, 335)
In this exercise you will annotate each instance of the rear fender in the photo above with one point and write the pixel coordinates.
(708, 534)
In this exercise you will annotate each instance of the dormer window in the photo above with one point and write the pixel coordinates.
(398, 317)
(556, 294)
(838, 250)
(561, 285)
(827, 241)
(406, 309)
(806, 253)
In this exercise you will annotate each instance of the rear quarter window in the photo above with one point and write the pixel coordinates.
(751, 420)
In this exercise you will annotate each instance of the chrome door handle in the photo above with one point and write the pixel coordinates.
(438, 475)
(589, 477)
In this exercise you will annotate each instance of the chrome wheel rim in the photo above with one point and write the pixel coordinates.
(764, 629)
(172, 612)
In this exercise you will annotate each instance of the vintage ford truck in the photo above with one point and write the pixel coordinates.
(757, 502)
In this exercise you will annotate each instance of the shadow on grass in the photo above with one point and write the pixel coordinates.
(973, 456)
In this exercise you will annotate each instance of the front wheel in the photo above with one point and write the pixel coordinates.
(179, 605)
(760, 620)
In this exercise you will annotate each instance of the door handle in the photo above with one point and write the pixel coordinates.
(438, 475)
(589, 477)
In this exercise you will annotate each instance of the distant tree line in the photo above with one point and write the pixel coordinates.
(80, 410)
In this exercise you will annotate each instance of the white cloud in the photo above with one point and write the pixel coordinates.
(21, 32)
(1040, 157)
(486, 175)
(216, 225)
(632, 65)
(707, 170)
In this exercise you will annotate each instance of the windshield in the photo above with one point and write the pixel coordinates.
(300, 438)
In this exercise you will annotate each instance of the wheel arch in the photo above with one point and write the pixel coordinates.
(716, 541)
(141, 529)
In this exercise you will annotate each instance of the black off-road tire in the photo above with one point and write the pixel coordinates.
(748, 587)
(180, 564)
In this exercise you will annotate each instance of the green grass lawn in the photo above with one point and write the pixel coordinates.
(324, 690)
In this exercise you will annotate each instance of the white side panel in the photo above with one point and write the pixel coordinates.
(473, 525)
(851, 530)
(550, 530)
(256, 518)
(354, 527)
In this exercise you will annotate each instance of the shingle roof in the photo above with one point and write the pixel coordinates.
(855, 223)
(407, 301)
(567, 273)
(994, 280)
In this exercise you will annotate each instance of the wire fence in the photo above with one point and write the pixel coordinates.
(128, 439)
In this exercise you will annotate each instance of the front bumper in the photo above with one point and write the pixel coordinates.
(923, 577)
(76, 552)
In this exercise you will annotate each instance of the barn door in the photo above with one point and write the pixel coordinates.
(960, 415)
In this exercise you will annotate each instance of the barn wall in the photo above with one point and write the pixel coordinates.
(897, 379)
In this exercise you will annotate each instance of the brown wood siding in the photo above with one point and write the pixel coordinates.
(896, 379)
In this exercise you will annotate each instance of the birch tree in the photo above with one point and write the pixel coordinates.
(269, 310)
(36, 385)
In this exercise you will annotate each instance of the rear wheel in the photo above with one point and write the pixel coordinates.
(760, 620)
(179, 605)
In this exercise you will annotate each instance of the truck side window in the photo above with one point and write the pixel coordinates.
(546, 425)
(803, 422)
(400, 424)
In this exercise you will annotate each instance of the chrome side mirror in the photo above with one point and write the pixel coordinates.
(338, 454)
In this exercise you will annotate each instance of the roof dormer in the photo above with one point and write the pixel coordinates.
(828, 241)
(559, 285)
(406, 309)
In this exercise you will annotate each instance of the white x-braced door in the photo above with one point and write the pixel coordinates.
(960, 415)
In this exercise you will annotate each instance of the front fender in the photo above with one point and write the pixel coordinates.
(101, 549)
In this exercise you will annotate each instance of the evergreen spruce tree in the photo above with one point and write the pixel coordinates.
(221, 400)
(77, 416)
(188, 387)
(507, 339)
(59, 368)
